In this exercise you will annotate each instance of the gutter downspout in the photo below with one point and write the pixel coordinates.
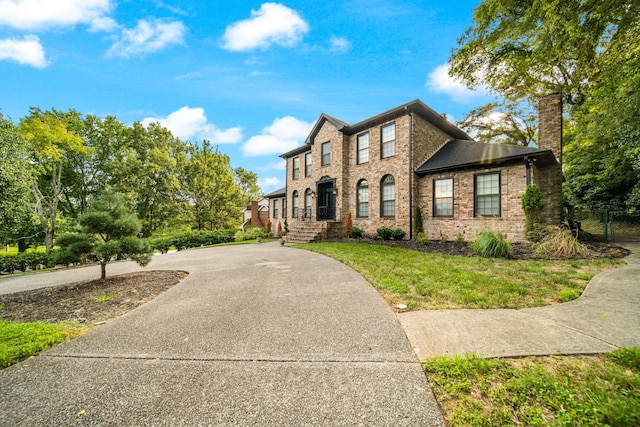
(410, 176)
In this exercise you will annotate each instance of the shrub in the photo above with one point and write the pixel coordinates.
(422, 239)
(356, 233)
(250, 234)
(417, 220)
(279, 229)
(385, 233)
(532, 205)
(460, 239)
(561, 243)
(398, 234)
(490, 244)
(267, 227)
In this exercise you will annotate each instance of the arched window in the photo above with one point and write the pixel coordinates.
(294, 209)
(388, 196)
(307, 203)
(363, 199)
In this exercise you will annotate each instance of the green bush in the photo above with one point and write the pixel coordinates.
(398, 234)
(191, 240)
(356, 233)
(422, 239)
(24, 261)
(385, 233)
(490, 244)
(250, 234)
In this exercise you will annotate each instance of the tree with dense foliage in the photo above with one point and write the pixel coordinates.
(586, 50)
(51, 143)
(108, 231)
(15, 179)
(505, 123)
(215, 198)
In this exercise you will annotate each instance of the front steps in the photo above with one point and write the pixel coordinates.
(313, 231)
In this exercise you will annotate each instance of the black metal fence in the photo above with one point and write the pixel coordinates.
(613, 226)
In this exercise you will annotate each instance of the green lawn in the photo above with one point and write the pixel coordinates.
(21, 340)
(435, 281)
(601, 390)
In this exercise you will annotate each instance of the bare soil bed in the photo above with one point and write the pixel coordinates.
(90, 301)
(598, 249)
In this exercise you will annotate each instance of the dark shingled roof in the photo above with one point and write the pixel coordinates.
(275, 194)
(462, 154)
(415, 106)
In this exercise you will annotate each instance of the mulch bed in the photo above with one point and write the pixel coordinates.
(89, 301)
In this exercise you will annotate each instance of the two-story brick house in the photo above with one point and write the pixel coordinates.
(382, 168)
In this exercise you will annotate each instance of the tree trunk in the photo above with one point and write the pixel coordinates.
(103, 270)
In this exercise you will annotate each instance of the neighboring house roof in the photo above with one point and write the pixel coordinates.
(417, 107)
(275, 194)
(464, 154)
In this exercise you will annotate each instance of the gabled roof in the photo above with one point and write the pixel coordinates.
(464, 154)
(417, 107)
(276, 194)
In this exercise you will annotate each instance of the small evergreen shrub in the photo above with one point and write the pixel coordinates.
(417, 220)
(385, 233)
(356, 233)
(532, 205)
(398, 234)
(490, 244)
(422, 239)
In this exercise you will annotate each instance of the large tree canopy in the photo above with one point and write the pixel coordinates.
(587, 50)
(525, 49)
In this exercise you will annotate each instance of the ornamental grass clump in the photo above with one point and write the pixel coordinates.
(560, 243)
(490, 244)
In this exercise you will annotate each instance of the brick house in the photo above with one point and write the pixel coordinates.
(383, 168)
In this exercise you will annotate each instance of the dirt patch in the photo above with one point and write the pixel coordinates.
(89, 301)
(599, 249)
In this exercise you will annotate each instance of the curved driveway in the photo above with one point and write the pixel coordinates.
(255, 335)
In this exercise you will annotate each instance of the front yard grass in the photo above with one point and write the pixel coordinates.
(21, 340)
(601, 390)
(428, 281)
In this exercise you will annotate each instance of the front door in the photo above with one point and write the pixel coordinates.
(326, 208)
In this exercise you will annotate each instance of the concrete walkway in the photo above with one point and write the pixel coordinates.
(604, 318)
(255, 335)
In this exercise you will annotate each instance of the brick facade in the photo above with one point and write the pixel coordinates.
(419, 134)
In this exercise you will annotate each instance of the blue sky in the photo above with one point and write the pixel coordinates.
(250, 76)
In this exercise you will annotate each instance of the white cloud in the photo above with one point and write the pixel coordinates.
(148, 36)
(281, 165)
(27, 51)
(273, 23)
(270, 184)
(340, 45)
(192, 124)
(41, 14)
(440, 81)
(282, 135)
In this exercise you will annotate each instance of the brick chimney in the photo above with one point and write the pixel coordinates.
(550, 124)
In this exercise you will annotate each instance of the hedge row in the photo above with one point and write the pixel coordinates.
(26, 261)
(191, 240)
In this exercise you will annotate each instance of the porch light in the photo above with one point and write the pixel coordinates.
(313, 194)
(335, 191)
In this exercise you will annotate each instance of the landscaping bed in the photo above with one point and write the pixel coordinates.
(89, 301)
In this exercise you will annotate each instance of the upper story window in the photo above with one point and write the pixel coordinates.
(363, 199)
(295, 204)
(487, 194)
(307, 164)
(363, 148)
(326, 154)
(388, 141)
(296, 167)
(388, 196)
(275, 209)
(443, 197)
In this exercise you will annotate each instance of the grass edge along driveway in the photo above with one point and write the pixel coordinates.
(531, 391)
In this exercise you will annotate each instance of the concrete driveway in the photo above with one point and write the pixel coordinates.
(255, 335)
